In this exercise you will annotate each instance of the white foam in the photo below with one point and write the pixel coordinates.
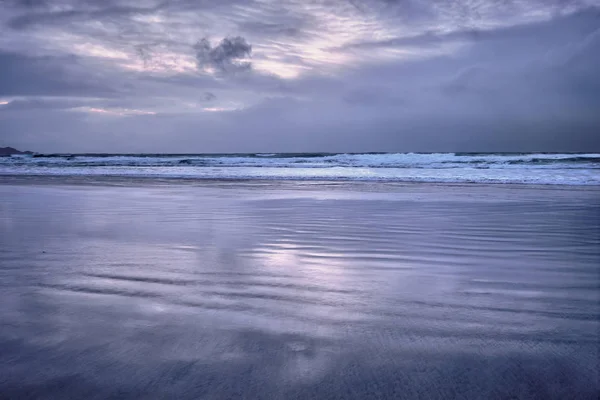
(539, 176)
(562, 169)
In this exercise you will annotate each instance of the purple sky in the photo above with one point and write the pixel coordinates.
(300, 75)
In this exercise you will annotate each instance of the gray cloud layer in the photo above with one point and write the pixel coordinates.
(369, 75)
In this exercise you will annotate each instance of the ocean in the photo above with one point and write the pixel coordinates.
(515, 168)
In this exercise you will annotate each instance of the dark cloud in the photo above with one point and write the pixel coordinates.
(271, 28)
(82, 11)
(22, 75)
(41, 104)
(144, 51)
(28, 3)
(208, 96)
(229, 56)
(561, 28)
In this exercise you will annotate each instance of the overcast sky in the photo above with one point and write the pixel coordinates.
(299, 75)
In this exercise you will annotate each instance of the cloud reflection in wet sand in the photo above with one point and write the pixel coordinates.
(183, 291)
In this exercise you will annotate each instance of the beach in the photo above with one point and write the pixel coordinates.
(161, 289)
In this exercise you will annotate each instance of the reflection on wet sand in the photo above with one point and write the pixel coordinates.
(298, 292)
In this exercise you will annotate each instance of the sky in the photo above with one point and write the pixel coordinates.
(186, 76)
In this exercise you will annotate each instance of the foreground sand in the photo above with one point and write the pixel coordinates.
(218, 290)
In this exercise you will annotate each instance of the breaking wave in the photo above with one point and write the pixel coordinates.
(545, 168)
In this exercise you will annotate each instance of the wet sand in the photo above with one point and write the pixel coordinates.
(264, 290)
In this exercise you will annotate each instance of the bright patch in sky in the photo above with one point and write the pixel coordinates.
(113, 112)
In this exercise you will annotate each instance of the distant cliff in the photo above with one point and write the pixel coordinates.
(7, 151)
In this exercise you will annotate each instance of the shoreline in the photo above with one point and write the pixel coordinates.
(117, 180)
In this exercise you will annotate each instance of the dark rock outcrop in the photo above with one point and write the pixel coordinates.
(7, 151)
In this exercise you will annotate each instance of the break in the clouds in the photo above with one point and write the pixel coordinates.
(292, 75)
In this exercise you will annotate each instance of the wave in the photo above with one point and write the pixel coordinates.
(538, 168)
(315, 160)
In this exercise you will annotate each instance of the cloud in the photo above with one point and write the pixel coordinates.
(144, 51)
(373, 97)
(40, 104)
(208, 96)
(229, 56)
(273, 29)
(89, 11)
(368, 75)
(469, 79)
(23, 75)
(588, 18)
